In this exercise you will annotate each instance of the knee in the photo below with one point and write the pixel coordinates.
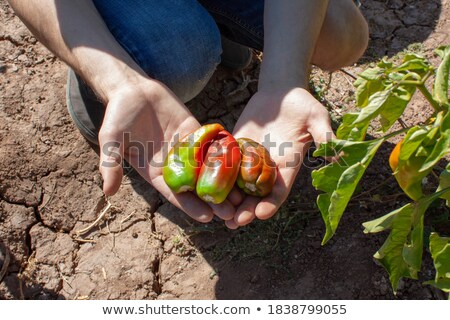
(351, 48)
(178, 45)
(188, 70)
(185, 62)
(343, 39)
(357, 42)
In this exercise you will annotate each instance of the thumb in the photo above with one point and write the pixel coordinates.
(111, 155)
(321, 132)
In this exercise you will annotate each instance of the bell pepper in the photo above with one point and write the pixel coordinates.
(183, 163)
(220, 169)
(257, 173)
(395, 155)
(407, 174)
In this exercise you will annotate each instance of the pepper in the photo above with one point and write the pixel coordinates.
(407, 174)
(395, 155)
(257, 173)
(220, 169)
(184, 161)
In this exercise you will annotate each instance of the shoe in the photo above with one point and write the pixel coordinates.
(4, 260)
(235, 56)
(85, 109)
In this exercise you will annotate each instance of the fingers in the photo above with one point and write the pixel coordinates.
(227, 209)
(269, 205)
(231, 224)
(224, 210)
(111, 155)
(245, 213)
(321, 132)
(192, 205)
(236, 196)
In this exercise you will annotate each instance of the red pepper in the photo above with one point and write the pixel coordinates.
(220, 169)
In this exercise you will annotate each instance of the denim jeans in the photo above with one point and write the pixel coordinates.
(178, 41)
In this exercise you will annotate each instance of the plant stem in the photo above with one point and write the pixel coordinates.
(412, 82)
(393, 134)
(430, 99)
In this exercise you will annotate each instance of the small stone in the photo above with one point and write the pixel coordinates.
(255, 278)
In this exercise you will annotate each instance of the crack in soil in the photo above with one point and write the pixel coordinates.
(156, 263)
(16, 203)
(7, 37)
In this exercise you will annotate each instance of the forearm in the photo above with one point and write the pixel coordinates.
(291, 31)
(75, 32)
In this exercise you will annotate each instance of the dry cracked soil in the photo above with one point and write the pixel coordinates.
(143, 247)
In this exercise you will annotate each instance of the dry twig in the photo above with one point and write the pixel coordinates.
(93, 224)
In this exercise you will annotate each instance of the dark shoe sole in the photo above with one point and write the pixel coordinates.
(85, 109)
(234, 55)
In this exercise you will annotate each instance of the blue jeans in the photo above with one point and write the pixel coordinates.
(178, 41)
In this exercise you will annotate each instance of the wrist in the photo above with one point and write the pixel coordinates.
(147, 91)
(109, 76)
(275, 77)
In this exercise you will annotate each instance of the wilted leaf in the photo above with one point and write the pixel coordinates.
(440, 90)
(339, 180)
(440, 252)
(401, 253)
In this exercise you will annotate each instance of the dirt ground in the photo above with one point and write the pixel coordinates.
(144, 248)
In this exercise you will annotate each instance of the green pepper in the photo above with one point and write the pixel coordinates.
(257, 173)
(184, 161)
(220, 169)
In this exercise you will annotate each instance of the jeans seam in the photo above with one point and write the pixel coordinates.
(235, 19)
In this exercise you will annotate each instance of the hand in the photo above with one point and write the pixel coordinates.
(293, 118)
(139, 123)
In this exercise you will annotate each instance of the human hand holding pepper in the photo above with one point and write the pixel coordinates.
(293, 118)
(150, 115)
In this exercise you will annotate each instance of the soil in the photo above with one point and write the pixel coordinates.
(144, 248)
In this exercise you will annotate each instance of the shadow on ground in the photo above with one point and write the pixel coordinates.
(282, 258)
(394, 25)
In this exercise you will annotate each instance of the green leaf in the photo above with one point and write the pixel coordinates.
(388, 104)
(380, 224)
(339, 180)
(440, 252)
(444, 182)
(401, 253)
(350, 131)
(369, 82)
(395, 105)
(412, 61)
(384, 91)
(441, 145)
(391, 254)
(440, 89)
(422, 148)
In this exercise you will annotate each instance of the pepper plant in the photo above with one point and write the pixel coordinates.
(382, 94)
